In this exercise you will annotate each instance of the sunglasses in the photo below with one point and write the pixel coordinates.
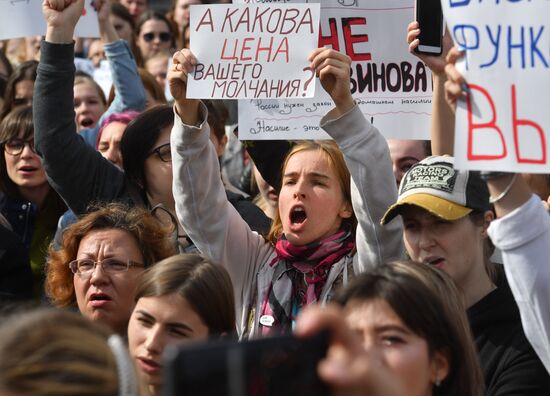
(163, 36)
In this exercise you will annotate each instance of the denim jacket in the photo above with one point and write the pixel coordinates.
(130, 94)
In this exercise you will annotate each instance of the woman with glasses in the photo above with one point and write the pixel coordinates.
(30, 205)
(155, 34)
(100, 260)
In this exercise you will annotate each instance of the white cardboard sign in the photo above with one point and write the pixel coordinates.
(23, 18)
(253, 52)
(504, 123)
(393, 87)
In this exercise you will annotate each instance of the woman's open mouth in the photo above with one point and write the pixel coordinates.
(298, 218)
(86, 122)
(99, 300)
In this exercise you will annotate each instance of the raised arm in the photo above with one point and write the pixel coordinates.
(522, 233)
(74, 169)
(130, 94)
(443, 117)
(202, 208)
(367, 156)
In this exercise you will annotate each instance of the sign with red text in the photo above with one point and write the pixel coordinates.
(504, 123)
(392, 87)
(23, 18)
(253, 52)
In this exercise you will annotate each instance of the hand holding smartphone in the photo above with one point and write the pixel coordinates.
(283, 365)
(430, 20)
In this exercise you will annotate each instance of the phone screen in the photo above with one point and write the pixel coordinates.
(282, 365)
(430, 18)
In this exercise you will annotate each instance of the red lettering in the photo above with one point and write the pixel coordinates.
(224, 56)
(283, 49)
(245, 48)
(331, 39)
(259, 48)
(351, 39)
(517, 122)
(490, 125)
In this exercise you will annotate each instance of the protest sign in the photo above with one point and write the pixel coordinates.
(392, 87)
(23, 18)
(257, 51)
(504, 122)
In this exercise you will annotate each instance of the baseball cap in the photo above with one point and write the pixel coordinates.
(434, 185)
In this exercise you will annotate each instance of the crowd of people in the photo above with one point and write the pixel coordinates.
(132, 220)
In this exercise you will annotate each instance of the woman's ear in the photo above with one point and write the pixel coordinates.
(440, 367)
(488, 217)
(346, 211)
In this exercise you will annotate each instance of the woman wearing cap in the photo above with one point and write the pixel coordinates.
(522, 233)
(458, 225)
(446, 214)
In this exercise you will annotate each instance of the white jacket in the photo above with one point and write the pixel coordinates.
(523, 236)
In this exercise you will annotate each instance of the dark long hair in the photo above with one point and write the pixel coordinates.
(25, 71)
(138, 140)
(428, 303)
(19, 122)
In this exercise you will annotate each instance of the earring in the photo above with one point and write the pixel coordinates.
(437, 382)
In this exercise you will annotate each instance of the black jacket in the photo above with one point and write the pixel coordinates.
(509, 363)
(16, 282)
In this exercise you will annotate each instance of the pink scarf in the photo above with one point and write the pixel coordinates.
(299, 277)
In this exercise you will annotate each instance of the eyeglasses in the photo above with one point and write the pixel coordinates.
(15, 146)
(164, 152)
(163, 36)
(84, 268)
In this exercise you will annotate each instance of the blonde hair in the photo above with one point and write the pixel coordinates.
(52, 352)
(335, 160)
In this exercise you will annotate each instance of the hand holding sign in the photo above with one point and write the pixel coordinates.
(333, 69)
(183, 63)
(455, 80)
(61, 18)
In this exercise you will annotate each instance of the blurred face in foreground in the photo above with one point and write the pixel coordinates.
(156, 322)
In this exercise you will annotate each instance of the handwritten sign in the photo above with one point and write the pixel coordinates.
(23, 18)
(257, 51)
(392, 87)
(504, 124)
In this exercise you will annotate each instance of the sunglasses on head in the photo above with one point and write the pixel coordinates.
(163, 36)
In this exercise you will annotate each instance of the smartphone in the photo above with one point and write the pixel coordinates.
(430, 19)
(273, 366)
